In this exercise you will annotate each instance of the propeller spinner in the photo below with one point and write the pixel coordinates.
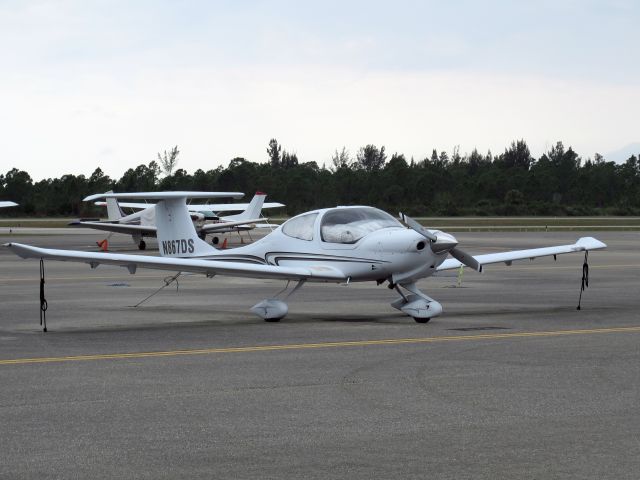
(442, 242)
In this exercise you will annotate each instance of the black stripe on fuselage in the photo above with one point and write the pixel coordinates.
(296, 256)
(236, 258)
(300, 256)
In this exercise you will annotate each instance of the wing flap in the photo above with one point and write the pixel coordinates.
(207, 267)
(584, 243)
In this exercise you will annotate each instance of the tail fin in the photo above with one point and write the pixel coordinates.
(253, 210)
(113, 209)
(148, 217)
(176, 234)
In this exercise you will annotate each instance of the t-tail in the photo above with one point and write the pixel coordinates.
(176, 234)
(253, 210)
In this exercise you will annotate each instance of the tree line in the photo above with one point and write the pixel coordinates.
(560, 182)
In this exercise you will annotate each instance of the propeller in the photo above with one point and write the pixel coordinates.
(445, 242)
(418, 228)
(466, 259)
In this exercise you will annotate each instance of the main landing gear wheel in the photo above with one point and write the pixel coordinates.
(271, 320)
(215, 240)
(421, 320)
(142, 245)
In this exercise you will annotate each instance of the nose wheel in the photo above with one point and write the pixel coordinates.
(142, 245)
(421, 320)
(416, 304)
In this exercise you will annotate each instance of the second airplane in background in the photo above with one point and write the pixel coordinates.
(205, 217)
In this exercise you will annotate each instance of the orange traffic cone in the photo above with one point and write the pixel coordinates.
(224, 244)
(104, 245)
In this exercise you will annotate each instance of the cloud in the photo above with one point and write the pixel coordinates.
(215, 115)
(109, 84)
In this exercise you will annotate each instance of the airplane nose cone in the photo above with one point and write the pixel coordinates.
(444, 242)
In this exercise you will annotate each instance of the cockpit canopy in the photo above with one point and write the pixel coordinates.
(348, 225)
(344, 225)
(301, 226)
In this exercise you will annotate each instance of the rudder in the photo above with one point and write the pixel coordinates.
(253, 210)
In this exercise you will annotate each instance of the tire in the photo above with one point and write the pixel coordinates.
(142, 245)
(215, 240)
(421, 320)
(271, 320)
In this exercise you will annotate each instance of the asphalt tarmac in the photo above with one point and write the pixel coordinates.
(510, 382)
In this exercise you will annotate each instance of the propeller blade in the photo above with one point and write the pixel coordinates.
(466, 259)
(411, 223)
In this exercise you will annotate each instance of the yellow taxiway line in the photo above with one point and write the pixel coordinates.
(304, 346)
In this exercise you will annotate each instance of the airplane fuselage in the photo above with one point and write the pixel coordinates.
(394, 253)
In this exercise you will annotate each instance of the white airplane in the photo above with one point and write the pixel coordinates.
(209, 210)
(337, 245)
(142, 223)
(8, 204)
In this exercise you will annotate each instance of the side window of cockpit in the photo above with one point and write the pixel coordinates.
(300, 227)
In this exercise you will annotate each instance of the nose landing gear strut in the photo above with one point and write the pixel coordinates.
(416, 304)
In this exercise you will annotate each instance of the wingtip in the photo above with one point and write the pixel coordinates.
(590, 243)
(95, 196)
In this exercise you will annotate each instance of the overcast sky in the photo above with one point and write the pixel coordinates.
(110, 83)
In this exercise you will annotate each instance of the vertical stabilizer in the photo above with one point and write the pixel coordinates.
(176, 234)
(253, 210)
(148, 217)
(113, 209)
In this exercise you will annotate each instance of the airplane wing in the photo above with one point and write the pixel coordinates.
(8, 204)
(229, 226)
(133, 229)
(230, 207)
(134, 205)
(583, 244)
(320, 273)
(125, 228)
(213, 207)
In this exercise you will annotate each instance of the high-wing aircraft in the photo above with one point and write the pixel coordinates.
(8, 204)
(141, 224)
(338, 245)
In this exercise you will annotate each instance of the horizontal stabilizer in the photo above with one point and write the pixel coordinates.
(164, 195)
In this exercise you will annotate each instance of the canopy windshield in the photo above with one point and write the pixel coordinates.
(348, 225)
